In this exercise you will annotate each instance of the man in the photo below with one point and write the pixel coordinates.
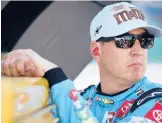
(120, 39)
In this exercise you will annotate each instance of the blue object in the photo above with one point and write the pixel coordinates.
(144, 104)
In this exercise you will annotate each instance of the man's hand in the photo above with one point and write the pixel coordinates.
(25, 62)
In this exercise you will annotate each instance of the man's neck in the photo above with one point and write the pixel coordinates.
(111, 85)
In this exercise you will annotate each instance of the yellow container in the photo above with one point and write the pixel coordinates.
(43, 115)
(21, 96)
(7, 101)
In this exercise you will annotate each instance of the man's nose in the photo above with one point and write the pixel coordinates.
(136, 49)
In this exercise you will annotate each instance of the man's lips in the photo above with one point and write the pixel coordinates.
(135, 64)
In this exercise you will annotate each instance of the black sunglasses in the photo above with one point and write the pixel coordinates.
(127, 40)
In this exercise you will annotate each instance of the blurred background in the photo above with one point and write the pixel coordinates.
(59, 32)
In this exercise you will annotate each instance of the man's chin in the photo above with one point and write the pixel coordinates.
(136, 77)
(136, 73)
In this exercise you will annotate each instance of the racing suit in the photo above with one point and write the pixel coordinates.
(139, 104)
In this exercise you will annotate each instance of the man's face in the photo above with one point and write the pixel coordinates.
(126, 64)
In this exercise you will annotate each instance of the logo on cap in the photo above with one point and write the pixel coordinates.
(126, 15)
(97, 30)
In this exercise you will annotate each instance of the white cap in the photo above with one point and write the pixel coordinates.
(119, 18)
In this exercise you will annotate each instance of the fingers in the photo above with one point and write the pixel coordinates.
(12, 68)
(29, 64)
(38, 73)
(19, 65)
(34, 73)
(5, 67)
(2, 69)
(22, 63)
(24, 66)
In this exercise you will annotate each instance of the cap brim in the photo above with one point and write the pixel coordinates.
(157, 32)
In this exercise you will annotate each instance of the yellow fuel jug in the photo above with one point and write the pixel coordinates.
(22, 95)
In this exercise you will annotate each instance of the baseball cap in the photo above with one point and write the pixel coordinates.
(119, 18)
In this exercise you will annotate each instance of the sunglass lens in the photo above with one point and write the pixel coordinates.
(147, 42)
(124, 42)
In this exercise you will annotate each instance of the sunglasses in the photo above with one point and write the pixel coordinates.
(127, 40)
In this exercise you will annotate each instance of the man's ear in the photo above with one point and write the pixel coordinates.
(95, 50)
